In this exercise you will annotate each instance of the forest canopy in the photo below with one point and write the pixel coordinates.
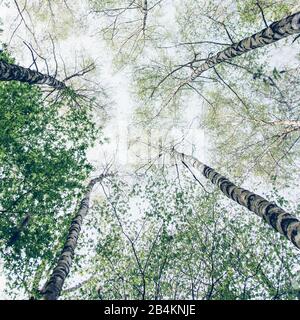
(149, 150)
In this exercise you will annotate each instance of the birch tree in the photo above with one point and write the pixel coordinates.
(201, 58)
(54, 285)
(276, 31)
(48, 64)
(10, 72)
(283, 222)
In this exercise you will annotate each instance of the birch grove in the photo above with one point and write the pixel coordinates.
(105, 109)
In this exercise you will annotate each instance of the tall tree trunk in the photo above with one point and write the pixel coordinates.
(281, 221)
(53, 287)
(276, 31)
(13, 72)
(145, 12)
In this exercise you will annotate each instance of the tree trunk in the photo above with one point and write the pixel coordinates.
(276, 31)
(53, 287)
(287, 123)
(281, 221)
(13, 72)
(145, 12)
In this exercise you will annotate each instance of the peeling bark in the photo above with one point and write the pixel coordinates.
(10, 72)
(53, 287)
(283, 222)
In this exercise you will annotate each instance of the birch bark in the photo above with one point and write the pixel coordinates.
(283, 222)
